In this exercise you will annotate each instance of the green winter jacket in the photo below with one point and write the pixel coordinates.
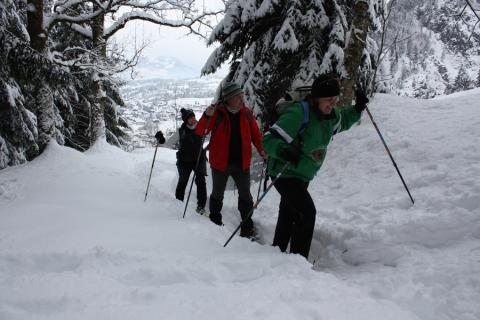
(316, 137)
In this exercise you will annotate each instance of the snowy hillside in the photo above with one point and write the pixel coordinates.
(433, 48)
(78, 242)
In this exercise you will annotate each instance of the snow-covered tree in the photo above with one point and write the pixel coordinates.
(76, 52)
(441, 34)
(57, 69)
(462, 80)
(17, 123)
(274, 45)
(478, 79)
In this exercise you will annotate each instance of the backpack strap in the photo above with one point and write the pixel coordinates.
(338, 126)
(217, 121)
(280, 133)
(306, 117)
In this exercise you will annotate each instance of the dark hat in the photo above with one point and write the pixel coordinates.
(326, 85)
(186, 114)
(230, 89)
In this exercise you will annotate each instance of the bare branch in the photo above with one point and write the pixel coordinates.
(463, 10)
(60, 12)
(142, 15)
(474, 10)
(473, 30)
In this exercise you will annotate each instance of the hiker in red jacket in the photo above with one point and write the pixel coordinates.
(233, 129)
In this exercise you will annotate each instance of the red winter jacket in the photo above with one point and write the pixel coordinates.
(220, 139)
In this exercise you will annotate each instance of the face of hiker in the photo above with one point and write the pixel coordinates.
(325, 105)
(191, 121)
(235, 102)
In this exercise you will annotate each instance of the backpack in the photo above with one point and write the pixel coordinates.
(281, 106)
(297, 95)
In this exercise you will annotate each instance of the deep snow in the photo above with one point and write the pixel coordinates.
(78, 242)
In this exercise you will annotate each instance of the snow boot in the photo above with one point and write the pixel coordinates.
(201, 211)
(215, 209)
(247, 229)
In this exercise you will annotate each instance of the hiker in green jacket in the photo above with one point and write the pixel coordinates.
(301, 136)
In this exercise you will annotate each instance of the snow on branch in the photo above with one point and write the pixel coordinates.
(83, 30)
(286, 39)
(61, 12)
(155, 11)
(158, 18)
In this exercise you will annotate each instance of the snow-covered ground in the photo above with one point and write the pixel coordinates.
(78, 242)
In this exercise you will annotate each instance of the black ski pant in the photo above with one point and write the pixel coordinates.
(184, 171)
(242, 181)
(296, 217)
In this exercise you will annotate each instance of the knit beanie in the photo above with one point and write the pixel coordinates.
(326, 85)
(186, 114)
(229, 90)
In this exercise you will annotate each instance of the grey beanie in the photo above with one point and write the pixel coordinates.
(229, 90)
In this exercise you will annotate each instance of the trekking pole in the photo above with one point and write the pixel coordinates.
(389, 154)
(196, 165)
(258, 201)
(261, 178)
(151, 170)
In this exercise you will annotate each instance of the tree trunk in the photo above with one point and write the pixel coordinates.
(97, 121)
(45, 115)
(38, 36)
(354, 50)
(43, 95)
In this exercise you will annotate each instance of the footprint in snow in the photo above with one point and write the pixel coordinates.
(154, 278)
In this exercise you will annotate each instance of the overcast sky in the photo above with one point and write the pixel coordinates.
(169, 44)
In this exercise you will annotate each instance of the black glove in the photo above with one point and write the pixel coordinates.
(361, 100)
(160, 138)
(291, 154)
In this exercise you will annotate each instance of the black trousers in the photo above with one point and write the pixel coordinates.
(242, 181)
(296, 217)
(184, 171)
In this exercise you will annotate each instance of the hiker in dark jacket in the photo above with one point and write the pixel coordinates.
(234, 129)
(305, 149)
(187, 155)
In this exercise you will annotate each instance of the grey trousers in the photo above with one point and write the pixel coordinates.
(242, 181)
(240, 177)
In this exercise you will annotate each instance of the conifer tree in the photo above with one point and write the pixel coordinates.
(478, 79)
(462, 80)
(275, 45)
